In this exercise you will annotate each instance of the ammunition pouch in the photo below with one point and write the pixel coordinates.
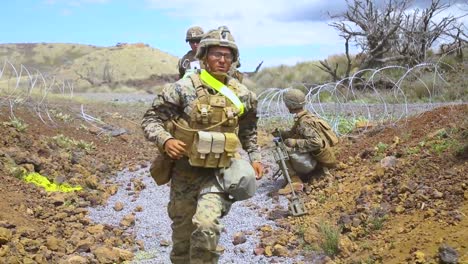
(161, 169)
(213, 149)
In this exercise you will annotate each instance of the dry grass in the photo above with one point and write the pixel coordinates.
(89, 67)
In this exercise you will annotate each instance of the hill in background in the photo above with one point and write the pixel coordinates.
(92, 68)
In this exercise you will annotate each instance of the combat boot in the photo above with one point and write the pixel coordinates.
(296, 183)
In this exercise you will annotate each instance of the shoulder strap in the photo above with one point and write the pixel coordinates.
(222, 89)
(202, 94)
(301, 115)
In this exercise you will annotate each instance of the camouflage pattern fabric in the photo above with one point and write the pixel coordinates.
(177, 102)
(235, 73)
(196, 225)
(197, 201)
(305, 133)
(184, 62)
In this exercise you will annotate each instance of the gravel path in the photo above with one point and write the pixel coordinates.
(152, 225)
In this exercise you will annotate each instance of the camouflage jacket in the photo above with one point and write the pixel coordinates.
(177, 102)
(184, 63)
(305, 133)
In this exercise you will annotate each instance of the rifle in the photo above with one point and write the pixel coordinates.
(296, 205)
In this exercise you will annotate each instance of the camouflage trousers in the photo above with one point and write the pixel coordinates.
(196, 206)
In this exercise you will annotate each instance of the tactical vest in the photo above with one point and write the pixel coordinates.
(325, 156)
(322, 128)
(210, 132)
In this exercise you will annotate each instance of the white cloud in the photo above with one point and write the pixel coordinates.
(253, 23)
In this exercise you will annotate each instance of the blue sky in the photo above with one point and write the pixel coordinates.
(274, 31)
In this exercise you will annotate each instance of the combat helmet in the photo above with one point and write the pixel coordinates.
(294, 99)
(217, 37)
(194, 33)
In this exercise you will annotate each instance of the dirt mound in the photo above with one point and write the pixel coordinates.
(41, 227)
(398, 195)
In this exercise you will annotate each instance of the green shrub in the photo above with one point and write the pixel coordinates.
(16, 123)
(381, 147)
(330, 238)
(69, 143)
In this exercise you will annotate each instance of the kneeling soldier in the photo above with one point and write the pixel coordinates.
(310, 141)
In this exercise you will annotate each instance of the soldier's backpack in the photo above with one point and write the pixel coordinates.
(323, 129)
(326, 156)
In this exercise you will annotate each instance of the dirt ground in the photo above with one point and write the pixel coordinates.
(399, 194)
(400, 210)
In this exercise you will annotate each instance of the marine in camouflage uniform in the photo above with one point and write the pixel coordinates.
(306, 137)
(196, 201)
(193, 37)
(235, 73)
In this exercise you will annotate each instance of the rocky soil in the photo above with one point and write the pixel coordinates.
(399, 194)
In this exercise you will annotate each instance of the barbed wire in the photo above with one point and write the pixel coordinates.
(378, 97)
(360, 102)
(20, 86)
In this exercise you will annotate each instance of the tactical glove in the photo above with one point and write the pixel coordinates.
(290, 142)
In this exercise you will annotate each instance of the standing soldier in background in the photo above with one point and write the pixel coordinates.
(310, 142)
(234, 72)
(197, 123)
(188, 61)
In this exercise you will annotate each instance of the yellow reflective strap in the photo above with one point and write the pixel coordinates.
(223, 89)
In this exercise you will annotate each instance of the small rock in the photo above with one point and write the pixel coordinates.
(448, 255)
(118, 206)
(76, 260)
(57, 198)
(399, 209)
(280, 251)
(238, 238)
(84, 245)
(259, 251)
(6, 224)
(128, 220)
(53, 243)
(388, 162)
(419, 257)
(106, 255)
(436, 194)
(4, 250)
(268, 251)
(97, 229)
(5, 235)
(430, 213)
(164, 243)
(124, 255)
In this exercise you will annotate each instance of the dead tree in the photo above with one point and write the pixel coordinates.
(372, 28)
(389, 33)
(419, 31)
(460, 40)
(325, 66)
